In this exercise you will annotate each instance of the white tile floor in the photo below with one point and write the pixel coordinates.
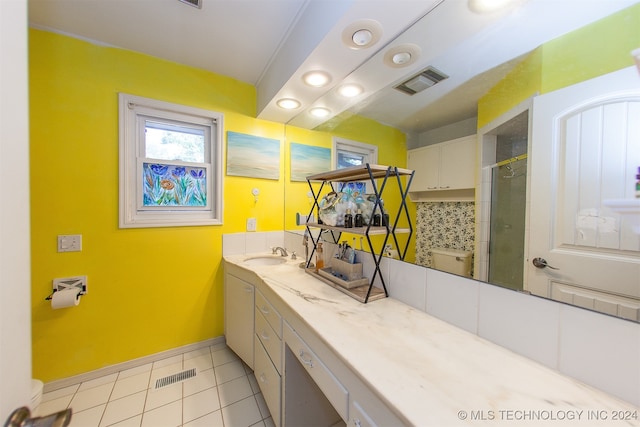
(223, 393)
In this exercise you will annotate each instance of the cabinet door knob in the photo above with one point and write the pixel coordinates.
(308, 362)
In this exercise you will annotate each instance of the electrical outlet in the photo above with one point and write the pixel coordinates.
(70, 243)
(252, 224)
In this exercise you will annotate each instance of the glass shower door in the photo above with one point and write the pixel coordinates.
(507, 224)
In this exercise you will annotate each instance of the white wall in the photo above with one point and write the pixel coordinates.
(15, 280)
(445, 133)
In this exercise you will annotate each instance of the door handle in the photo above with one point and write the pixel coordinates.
(542, 263)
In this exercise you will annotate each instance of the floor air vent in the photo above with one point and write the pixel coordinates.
(175, 378)
(424, 80)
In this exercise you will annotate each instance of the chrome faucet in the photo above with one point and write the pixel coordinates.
(283, 251)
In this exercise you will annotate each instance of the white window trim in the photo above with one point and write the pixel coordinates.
(130, 214)
(371, 151)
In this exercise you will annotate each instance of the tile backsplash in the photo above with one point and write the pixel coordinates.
(599, 350)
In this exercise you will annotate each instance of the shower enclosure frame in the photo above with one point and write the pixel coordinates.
(487, 142)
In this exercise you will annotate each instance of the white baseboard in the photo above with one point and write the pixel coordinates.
(108, 370)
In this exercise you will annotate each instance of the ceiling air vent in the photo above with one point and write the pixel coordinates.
(425, 79)
(194, 3)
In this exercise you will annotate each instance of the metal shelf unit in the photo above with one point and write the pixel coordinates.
(369, 173)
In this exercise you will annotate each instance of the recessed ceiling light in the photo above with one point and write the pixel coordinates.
(401, 58)
(288, 103)
(362, 37)
(481, 6)
(362, 34)
(316, 78)
(320, 112)
(402, 55)
(350, 90)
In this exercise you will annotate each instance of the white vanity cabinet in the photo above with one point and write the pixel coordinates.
(301, 378)
(268, 354)
(239, 315)
(335, 393)
(448, 166)
(318, 385)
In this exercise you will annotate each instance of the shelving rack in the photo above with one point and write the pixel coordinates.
(369, 173)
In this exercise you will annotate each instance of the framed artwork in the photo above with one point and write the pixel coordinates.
(253, 156)
(308, 160)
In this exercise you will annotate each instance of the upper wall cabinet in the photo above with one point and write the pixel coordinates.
(444, 171)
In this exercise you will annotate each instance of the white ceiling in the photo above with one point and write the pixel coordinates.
(272, 43)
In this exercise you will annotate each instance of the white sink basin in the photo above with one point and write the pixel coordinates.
(265, 260)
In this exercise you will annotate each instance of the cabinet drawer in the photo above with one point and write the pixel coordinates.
(358, 417)
(322, 376)
(270, 314)
(269, 339)
(269, 381)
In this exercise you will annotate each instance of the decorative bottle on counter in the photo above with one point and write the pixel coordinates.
(319, 258)
(348, 219)
(638, 184)
(376, 219)
(385, 219)
(358, 221)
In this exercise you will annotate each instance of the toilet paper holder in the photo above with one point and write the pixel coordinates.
(76, 282)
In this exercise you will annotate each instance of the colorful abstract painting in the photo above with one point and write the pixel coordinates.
(308, 160)
(253, 156)
(171, 185)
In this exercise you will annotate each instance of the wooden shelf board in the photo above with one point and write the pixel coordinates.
(358, 173)
(359, 230)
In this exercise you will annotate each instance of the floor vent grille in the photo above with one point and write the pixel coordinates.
(172, 379)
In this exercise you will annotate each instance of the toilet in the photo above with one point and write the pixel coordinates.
(36, 394)
(454, 261)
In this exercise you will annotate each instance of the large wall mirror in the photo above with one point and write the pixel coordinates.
(500, 108)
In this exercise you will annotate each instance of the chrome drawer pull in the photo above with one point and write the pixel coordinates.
(309, 362)
(264, 310)
(264, 336)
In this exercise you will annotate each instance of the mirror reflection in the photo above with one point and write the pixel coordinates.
(491, 193)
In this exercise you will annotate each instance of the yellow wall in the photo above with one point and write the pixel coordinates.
(150, 289)
(596, 49)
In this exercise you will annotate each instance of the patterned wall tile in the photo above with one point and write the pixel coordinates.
(449, 225)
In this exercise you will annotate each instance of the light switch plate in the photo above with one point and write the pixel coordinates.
(252, 224)
(70, 243)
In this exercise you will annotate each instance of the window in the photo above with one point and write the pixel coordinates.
(352, 153)
(170, 164)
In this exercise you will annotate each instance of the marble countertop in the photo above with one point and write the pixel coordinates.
(432, 373)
